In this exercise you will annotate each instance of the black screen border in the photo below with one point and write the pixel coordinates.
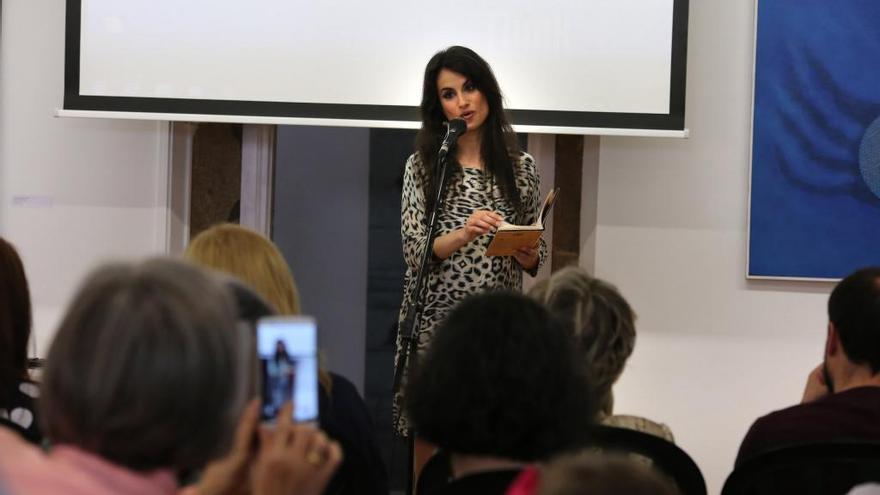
(672, 121)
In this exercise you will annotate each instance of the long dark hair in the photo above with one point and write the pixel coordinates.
(15, 320)
(499, 145)
(281, 354)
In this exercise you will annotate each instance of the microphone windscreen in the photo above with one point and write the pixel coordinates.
(457, 126)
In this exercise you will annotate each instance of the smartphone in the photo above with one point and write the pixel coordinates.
(287, 356)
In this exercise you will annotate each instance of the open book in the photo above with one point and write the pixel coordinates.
(508, 238)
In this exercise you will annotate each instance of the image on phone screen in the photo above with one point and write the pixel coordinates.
(287, 350)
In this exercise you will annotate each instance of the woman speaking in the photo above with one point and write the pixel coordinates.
(491, 181)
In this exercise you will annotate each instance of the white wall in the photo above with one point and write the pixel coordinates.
(73, 193)
(326, 249)
(714, 350)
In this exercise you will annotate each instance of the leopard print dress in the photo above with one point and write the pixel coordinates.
(468, 270)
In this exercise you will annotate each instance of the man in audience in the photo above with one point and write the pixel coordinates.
(842, 397)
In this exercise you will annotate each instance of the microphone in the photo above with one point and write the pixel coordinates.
(454, 129)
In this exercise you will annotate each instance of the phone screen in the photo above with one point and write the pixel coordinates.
(287, 350)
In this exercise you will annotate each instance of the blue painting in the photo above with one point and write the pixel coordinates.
(815, 191)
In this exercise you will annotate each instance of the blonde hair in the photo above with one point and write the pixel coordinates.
(256, 261)
(251, 257)
(600, 320)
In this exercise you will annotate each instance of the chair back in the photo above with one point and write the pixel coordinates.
(435, 474)
(827, 468)
(665, 456)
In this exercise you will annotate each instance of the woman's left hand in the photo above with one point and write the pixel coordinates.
(527, 257)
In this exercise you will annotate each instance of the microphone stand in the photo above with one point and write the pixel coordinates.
(409, 330)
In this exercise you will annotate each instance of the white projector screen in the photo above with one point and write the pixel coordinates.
(561, 63)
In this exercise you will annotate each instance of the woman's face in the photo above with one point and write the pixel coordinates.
(461, 99)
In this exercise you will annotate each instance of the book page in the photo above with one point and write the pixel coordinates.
(505, 243)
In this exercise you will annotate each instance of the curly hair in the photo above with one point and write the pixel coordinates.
(501, 379)
(600, 320)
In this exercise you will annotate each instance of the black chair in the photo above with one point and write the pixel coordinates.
(666, 457)
(435, 474)
(828, 468)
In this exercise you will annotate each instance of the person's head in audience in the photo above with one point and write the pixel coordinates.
(18, 394)
(841, 395)
(852, 347)
(500, 384)
(252, 258)
(255, 260)
(265, 286)
(601, 321)
(15, 321)
(146, 381)
(605, 474)
(145, 369)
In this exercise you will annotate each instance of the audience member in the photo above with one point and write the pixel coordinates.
(250, 257)
(592, 474)
(865, 489)
(603, 325)
(17, 391)
(499, 387)
(145, 381)
(255, 260)
(842, 396)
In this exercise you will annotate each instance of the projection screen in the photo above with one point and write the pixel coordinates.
(564, 65)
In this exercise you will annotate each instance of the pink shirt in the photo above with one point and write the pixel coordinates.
(526, 483)
(26, 470)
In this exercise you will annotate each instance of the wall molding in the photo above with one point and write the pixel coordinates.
(179, 174)
(257, 177)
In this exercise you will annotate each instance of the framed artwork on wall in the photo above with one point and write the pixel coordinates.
(815, 179)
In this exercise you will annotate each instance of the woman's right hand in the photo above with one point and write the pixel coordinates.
(481, 222)
(294, 459)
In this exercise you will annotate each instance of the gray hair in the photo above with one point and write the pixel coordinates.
(601, 474)
(146, 368)
(599, 318)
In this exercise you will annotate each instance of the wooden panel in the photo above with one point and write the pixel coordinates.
(566, 213)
